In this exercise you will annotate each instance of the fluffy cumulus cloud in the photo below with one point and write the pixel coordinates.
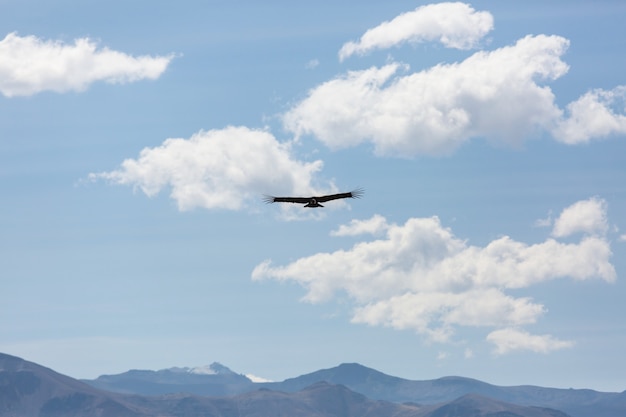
(587, 216)
(29, 65)
(420, 276)
(455, 25)
(502, 95)
(596, 115)
(436, 110)
(217, 169)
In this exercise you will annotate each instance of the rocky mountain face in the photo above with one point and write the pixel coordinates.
(29, 390)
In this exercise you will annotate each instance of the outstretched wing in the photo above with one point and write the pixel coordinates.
(271, 199)
(352, 194)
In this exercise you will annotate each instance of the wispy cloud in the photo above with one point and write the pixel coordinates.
(547, 222)
(421, 277)
(29, 65)
(314, 63)
(258, 379)
(437, 313)
(511, 339)
(455, 25)
(217, 169)
(374, 226)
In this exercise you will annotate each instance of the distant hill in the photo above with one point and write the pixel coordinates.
(31, 390)
(474, 405)
(214, 380)
(379, 386)
(27, 389)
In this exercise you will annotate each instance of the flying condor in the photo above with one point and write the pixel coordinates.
(313, 201)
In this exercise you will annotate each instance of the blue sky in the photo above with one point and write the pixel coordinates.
(137, 140)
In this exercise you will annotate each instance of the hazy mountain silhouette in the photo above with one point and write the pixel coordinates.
(31, 390)
(214, 380)
(379, 386)
(472, 405)
(28, 389)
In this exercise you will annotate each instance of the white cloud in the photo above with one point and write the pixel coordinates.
(217, 169)
(436, 313)
(420, 276)
(29, 65)
(593, 116)
(511, 339)
(455, 25)
(587, 216)
(436, 110)
(314, 63)
(501, 95)
(257, 379)
(374, 226)
(547, 222)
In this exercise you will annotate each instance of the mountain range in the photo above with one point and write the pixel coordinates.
(371, 383)
(28, 389)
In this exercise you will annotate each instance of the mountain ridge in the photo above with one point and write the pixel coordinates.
(380, 386)
(31, 390)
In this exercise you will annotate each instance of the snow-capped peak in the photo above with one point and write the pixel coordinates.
(213, 369)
